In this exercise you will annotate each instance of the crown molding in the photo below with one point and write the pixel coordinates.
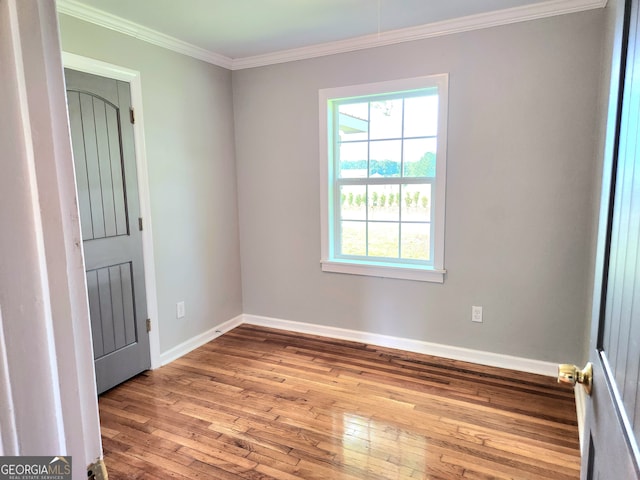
(89, 14)
(436, 29)
(525, 13)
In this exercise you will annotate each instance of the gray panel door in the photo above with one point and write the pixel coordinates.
(613, 411)
(105, 164)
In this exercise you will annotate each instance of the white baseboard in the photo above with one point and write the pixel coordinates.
(581, 411)
(199, 340)
(417, 346)
(408, 344)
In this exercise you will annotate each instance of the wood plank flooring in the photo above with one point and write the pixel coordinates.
(267, 404)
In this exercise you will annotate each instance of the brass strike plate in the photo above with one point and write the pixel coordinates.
(97, 471)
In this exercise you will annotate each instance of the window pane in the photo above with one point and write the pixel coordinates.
(386, 119)
(383, 202)
(383, 239)
(385, 158)
(416, 203)
(353, 238)
(415, 241)
(353, 160)
(353, 202)
(353, 121)
(421, 116)
(419, 157)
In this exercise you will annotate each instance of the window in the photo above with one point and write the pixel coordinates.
(383, 165)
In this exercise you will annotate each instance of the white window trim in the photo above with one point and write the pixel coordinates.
(388, 269)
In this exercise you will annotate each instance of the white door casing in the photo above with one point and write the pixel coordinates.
(51, 408)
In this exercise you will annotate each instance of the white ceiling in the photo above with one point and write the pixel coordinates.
(240, 29)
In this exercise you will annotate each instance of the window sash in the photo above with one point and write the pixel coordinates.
(337, 219)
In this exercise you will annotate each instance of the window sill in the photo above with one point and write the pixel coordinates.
(420, 274)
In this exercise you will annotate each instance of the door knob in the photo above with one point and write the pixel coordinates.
(571, 374)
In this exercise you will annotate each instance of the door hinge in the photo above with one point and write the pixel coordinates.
(140, 223)
(148, 325)
(132, 115)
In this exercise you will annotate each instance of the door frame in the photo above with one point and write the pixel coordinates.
(132, 77)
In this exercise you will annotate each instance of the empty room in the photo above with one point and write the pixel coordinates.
(321, 239)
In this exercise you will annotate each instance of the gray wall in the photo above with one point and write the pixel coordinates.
(190, 151)
(520, 190)
(523, 165)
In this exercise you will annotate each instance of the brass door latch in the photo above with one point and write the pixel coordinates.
(571, 374)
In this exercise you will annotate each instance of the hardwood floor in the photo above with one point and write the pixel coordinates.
(267, 404)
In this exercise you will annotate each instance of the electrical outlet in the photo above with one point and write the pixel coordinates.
(180, 310)
(476, 314)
